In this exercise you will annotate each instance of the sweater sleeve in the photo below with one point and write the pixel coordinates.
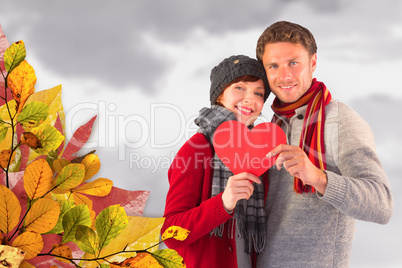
(357, 185)
(188, 202)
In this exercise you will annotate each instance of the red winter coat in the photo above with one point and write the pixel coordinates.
(189, 205)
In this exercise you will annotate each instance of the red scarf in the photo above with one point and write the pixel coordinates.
(312, 135)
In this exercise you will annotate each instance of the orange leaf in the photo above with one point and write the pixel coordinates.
(10, 210)
(43, 216)
(30, 242)
(31, 140)
(5, 158)
(98, 187)
(59, 164)
(92, 166)
(62, 250)
(81, 199)
(38, 179)
(22, 82)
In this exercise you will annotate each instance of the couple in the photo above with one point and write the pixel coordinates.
(302, 211)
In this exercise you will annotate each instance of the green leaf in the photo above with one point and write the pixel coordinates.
(3, 133)
(14, 55)
(86, 239)
(168, 258)
(78, 215)
(110, 223)
(50, 138)
(65, 206)
(32, 115)
(70, 176)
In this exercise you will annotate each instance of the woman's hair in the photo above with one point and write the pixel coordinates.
(244, 78)
(284, 31)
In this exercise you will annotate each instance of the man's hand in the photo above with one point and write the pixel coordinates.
(296, 162)
(239, 186)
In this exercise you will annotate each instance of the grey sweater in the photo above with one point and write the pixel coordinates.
(314, 230)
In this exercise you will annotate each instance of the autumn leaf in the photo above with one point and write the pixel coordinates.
(70, 176)
(11, 256)
(30, 242)
(59, 164)
(29, 139)
(10, 209)
(141, 260)
(80, 199)
(14, 55)
(38, 179)
(32, 115)
(169, 258)
(22, 82)
(49, 138)
(92, 166)
(65, 206)
(62, 250)
(3, 132)
(74, 217)
(79, 138)
(175, 232)
(98, 187)
(5, 158)
(140, 233)
(43, 216)
(110, 223)
(86, 239)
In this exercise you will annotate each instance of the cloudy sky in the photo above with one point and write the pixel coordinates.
(143, 67)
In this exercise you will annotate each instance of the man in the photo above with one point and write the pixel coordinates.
(328, 175)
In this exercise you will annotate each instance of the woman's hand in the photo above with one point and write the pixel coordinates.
(239, 187)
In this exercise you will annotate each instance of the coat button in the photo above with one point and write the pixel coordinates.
(300, 116)
(230, 248)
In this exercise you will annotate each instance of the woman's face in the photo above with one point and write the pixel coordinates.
(244, 99)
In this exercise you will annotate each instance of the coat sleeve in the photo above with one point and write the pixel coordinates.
(188, 202)
(357, 185)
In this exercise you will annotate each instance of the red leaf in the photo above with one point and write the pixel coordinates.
(3, 46)
(59, 127)
(132, 201)
(24, 149)
(78, 140)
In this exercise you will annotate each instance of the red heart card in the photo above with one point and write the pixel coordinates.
(242, 150)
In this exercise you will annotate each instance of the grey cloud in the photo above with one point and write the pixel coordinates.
(104, 40)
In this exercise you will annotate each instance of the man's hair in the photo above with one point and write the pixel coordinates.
(284, 31)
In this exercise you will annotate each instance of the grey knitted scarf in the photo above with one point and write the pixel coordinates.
(251, 221)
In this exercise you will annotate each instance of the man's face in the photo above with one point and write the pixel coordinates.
(289, 69)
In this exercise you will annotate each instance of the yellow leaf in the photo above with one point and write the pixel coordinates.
(42, 216)
(59, 164)
(92, 166)
(141, 260)
(10, 209)
(98, 187)
(140, 233)
(62, 250)
(175, 232)
(11, 256)
(30, 242)
(52, 98)
(38, 179)
(22, 82)
(82, 199)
